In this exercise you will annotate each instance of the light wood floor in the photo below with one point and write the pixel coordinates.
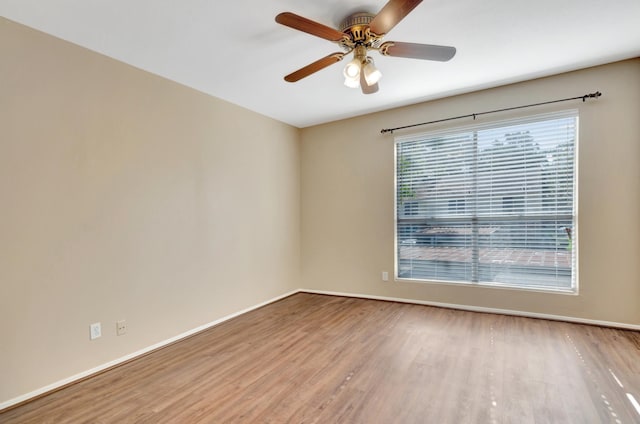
(322, 359)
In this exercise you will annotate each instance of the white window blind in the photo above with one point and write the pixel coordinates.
(489, 204)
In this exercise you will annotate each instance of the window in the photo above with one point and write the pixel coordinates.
(490, 204)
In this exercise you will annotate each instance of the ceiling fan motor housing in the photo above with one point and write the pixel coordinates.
(356, 26)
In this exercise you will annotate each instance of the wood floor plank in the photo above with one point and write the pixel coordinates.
(326, 359)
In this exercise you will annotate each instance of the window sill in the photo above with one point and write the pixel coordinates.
(547, 290)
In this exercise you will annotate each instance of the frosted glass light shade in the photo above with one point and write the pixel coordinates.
(352, 70)
(352, 82)
(371, 74)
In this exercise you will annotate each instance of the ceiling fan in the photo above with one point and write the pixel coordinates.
(360, 33)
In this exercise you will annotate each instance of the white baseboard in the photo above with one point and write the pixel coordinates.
(482, 309)
(61, 383)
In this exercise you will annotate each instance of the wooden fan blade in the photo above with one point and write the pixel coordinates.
(310, 27)
(417, 51)
(392, 13)
(367, 89)
(314, 67)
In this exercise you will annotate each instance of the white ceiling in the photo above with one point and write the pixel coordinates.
(235, 50)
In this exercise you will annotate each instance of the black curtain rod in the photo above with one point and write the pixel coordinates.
(584, 98)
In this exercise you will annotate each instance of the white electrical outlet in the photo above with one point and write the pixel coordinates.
(385, 276)
(96, 330)
(121, 327)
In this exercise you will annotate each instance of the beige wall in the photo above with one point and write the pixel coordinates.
(347, 197)
(126, 196)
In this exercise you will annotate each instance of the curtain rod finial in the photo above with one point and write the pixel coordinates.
(591, 96)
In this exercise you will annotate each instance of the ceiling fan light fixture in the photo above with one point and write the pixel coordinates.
(352, 70)
(352, 82)
(371, 74)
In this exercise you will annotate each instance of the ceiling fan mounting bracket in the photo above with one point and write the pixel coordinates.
(384, 48)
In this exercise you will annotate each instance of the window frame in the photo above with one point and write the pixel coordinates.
(520, 120)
